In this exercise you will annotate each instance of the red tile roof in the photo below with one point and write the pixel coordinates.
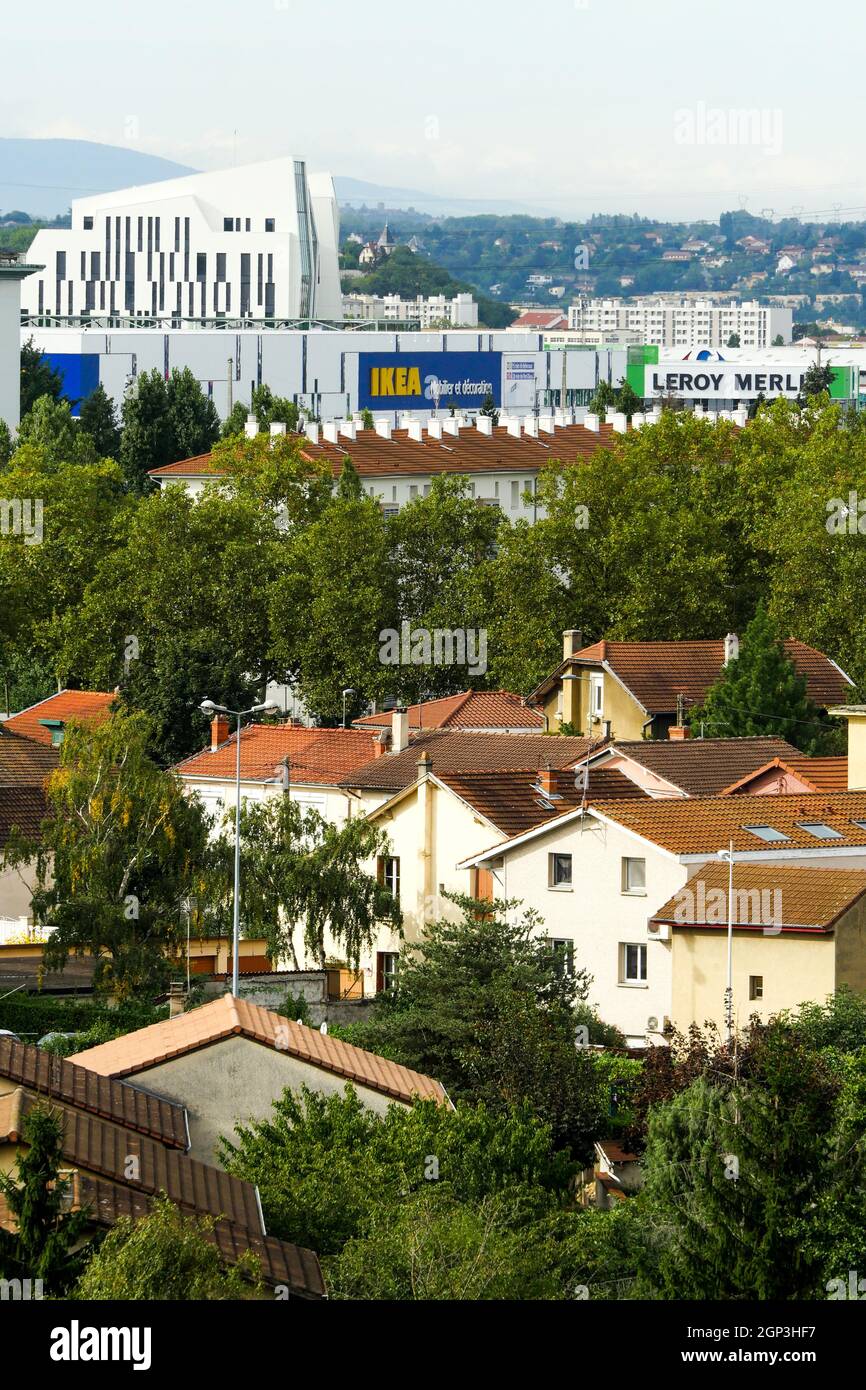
(470, 451)
(324, 757)
(657, 672)
(228, 1017)
(81, 705)
(59, 1079)
(809, 899)
(701, 766)
(461, 750)
(817, 774)
(22, 809)
(471, 709)
(541, 318)
(514, 801)
(24, 762)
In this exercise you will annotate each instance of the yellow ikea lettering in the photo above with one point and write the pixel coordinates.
(374, 381)
(400, 374)
(413, 387)
(386, 381)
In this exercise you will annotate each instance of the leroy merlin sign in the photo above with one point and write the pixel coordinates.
(735, 381)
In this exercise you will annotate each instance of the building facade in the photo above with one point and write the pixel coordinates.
(258, 242)
(682, 323)
(431, 311)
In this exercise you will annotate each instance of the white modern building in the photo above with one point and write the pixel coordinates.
(259, 242)
(434, 311)
(14, 269)
(681, 323)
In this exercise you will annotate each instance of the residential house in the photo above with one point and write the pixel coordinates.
(598, 873)
(692, 767)
(799, 933)
(433, 823)
(481, 711)
(46, 720)
(306, 764)
(792, 775)
(632, 690)
(122, 1147)
(24, 766)
(228, 1061)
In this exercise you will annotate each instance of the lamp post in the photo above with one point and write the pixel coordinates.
(209, 707)
(347, 691)
(728, 854)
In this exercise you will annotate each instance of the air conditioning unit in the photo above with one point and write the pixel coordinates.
(653, 1022)
(659, 931)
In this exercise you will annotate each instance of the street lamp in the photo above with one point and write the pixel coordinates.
(347, 691)
(728, 854)
(210, 708)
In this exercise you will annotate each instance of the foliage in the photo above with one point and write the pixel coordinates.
(38, 378)
(42, 1244)
(119, 857)
(266, 407)
(164, 421)
(168, 1256)
(97, 417)
(303, 873)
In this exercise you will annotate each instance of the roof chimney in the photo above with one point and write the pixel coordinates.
(530, 426)
(732, 647)
(349, 429)
(424, 765)
(434, 429)
(311, 430)
(678, 732)
(219, 731)
(572, 641)
(176, 998)
(278, 427)
(383, 429)
(399, 730)
(547, 423)
(513, 427)
(452, 424)
(619, 421)
(590, 422)
(484, 424)
(547, 780)
(330, 430)
(416, 430)
(251, 427)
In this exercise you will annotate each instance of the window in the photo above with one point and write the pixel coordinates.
(563, 954)
(270, 224)
(634, 876)
(386, 970)
(88, 224)
(769, 833)
(819, 830)
(388, 874)
(756, 986)
(515, 494)
(559, 870)
(200, 265)
(632, 964)
(596, 695)
(228, 224)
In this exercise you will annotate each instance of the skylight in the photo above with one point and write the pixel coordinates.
(766, 832)
(820, 830)
(860, 824)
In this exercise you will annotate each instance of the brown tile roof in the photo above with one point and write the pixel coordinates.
(703, 766)
(105, 1150)
(64, 1081)
(471, 709)
(281, 1262)
(817, 774)
(227, 1017)
(320, 756)
(702, 825)
(456, 750)
(810, 899)
(470, 451)
(540, 318)
(82, 705)
(514, 801)
(24, 762)
(657, 672)
(24, 808)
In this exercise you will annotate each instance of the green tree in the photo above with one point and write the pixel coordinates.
(488, 408)
(164, 422)
(816, 379)
(303, 873)
(50, 428)
(42, 1244)
(733, 341)
(761, 692)
(483, 1005)
(778, 341)
(38, 378)
(120, 857)
(267, 408)
(603, 400)
(628, 401)
(166, 1255)
(97, 417)
(6, 445)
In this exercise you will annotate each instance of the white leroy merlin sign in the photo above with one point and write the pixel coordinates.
(721, 380)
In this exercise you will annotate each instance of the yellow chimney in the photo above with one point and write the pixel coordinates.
(856, 717)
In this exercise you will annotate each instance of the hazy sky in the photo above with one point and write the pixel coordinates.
(574, 105)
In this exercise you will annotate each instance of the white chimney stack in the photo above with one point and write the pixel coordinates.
(513, 427)
(278, 427)
(311, 430)
(484, 424)
(619, 422)
(383, 429)
(452, 424)
(547, 423)
(638, 420)
(399, 730)
(732, 647)
(348, 429)
(530, 426)
(434, 429)
(590, 422)
(251, 427)
(416, 430)
(330, 431)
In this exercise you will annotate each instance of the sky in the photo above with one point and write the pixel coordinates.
(672, 108)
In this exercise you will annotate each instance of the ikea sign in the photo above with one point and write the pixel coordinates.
(427, 380)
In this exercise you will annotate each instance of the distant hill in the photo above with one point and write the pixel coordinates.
(43, 176)
(354, 192)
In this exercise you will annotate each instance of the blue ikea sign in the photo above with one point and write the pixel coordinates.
(424, 380)
(79, 372)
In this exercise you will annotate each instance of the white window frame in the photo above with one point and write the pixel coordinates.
(563, 887)
(626, 980)
(627, 889)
